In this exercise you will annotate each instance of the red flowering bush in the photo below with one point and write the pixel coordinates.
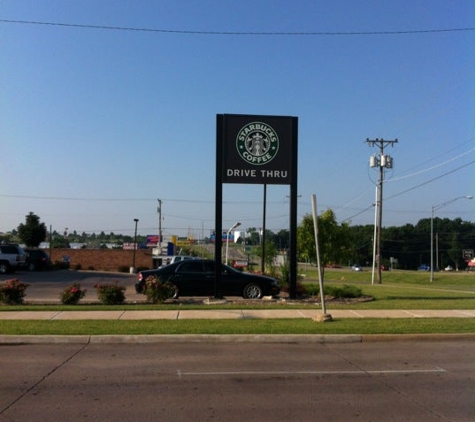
(12, 292)
(73, 294)
(158, 291)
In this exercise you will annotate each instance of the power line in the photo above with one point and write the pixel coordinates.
(344, 207)
(433, 167)
(431, 180)
(272, 33)
(410, 189)
(357, 214)
(442, 154)
(90, 199)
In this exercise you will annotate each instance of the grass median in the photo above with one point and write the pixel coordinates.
(399, 290)
(230, 327)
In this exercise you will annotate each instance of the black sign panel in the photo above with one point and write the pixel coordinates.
(258, 149)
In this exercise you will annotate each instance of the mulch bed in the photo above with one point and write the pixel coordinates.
(283, 299)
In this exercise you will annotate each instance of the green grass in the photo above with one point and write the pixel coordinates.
(405, 289)
(461, 279)
(399, 290)
(409, 297)
(268, 326)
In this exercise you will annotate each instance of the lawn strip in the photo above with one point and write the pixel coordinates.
(269, 326)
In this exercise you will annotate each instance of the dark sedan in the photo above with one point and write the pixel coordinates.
(37, 259)
(197, 278)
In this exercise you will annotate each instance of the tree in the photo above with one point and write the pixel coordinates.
(32, 233)
(270, 252)
(5, 238)
(252, 237)
(306, 250)
(59, 241)
(334, 239)
(283, 237)
(362, 244)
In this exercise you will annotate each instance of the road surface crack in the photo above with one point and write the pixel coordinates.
(43, 378)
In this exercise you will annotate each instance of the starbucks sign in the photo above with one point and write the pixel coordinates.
(261, 150)
(257, 149)
(257, 143)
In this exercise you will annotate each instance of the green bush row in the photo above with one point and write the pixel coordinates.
(340, 292)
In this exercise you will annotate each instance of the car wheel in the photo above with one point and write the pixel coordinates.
(4, 268)
(252, 291)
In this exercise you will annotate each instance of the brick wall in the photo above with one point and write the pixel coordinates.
(104, 259)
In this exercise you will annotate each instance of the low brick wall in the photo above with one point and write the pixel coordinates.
(104, 259)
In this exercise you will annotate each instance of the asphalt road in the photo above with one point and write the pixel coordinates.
(389, 381)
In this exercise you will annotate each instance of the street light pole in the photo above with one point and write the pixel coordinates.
(227, 240)
(135, 242)
(433, 210)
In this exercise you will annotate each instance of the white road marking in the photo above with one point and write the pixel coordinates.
(181, 373)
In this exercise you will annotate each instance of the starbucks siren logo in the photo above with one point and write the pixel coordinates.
(257, 143)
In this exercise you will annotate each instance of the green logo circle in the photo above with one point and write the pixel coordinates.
(257, 143)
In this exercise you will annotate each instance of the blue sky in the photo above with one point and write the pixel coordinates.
(97, 124)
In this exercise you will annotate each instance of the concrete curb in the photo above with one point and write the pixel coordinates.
(418, 337)
(247, 338)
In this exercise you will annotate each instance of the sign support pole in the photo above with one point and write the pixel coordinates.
(293, 271)
(218, 241)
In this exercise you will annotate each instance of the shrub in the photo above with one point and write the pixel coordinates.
(312, 289)
(110, 294)
(123, 269)
(273, 271)
(343, 292)
(285, 273)
(339, 292)
(301, 289)
(158, 291)
(73, 294)
(12, 292)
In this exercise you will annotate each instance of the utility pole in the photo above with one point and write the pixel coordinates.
(159, 243)
(384, 161)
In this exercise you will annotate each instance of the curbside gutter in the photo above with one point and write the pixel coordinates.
(418, 337)
(238, 338)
